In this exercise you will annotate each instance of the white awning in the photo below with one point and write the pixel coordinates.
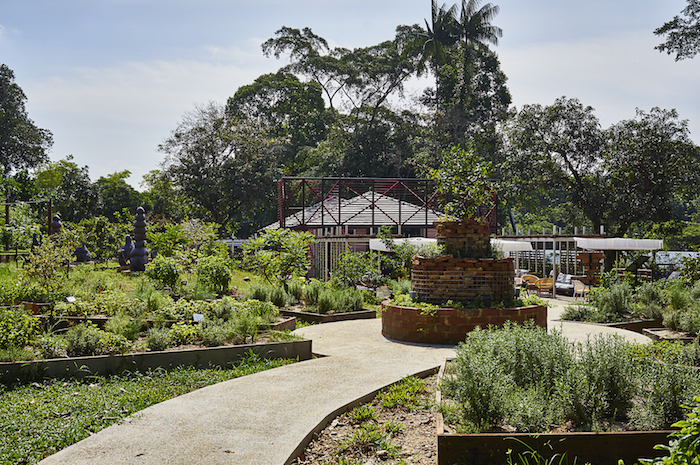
(500, 244)
(618, 243)
(377, 244)
(511, 246)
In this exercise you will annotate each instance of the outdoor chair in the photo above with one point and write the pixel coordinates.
(580, 289)
(545, 285)
(529, 281)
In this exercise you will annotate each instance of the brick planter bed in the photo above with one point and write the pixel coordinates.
(451, 325)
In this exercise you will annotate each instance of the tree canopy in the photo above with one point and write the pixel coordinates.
(682, 33)
(22, 143)
(636, 170)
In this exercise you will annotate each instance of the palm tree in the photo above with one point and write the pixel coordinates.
(474, 29)
(438, 38)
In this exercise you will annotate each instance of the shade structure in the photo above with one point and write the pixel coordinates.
(500, 244)
(377, 244)
(618, 243)
(511, 246)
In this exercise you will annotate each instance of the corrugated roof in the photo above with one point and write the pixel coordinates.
(365, 210)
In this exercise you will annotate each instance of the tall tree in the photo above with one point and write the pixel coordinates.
(74, 196)
(115, 194)
(292, 111)
(22, 144)
(682, 33)
(475, 29)
(225, 167)
(441, 34)
(637, 170)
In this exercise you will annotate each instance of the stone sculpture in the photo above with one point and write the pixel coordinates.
(82, 254)
(55, 227)
(36, 242)
(139, 255)
(125, 251)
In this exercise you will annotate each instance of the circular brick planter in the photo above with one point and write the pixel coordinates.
(451, 325)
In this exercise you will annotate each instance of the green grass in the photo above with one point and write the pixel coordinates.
(37, 420)
(404, 394)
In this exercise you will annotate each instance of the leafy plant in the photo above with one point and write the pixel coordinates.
(17, 327)
(183, 333)
(362, 414)
(354, 268)
(158, 338)
(215, 272)
(278, 254)
(165, 271)
(124, 325)
(404, 394)
(684, 445)
(87, 339)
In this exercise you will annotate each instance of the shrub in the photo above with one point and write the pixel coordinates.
(326, 301)
(244, 327)
(528, 378)
(295, 290)
(258, 292)
(165, 271)
(51, 346)
(215, 272)
(614, 301)
(111, 343)
(213, 333)
(402, 286)
(312, 291)
(17, 327)
(684, 446)
(87, 339)
(266, 311)
(183, 333)
(158, 339)
(348, 300)
(277, 296)
(16, 354)
(665, 387)
(123, 325)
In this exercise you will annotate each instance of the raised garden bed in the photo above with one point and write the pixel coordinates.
(80, 367)
(597, 448)
(451, 325)
(62, 322)
(364, 314)
(665, 334)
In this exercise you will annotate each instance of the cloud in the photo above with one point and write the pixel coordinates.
(114, 118)
(614, 75)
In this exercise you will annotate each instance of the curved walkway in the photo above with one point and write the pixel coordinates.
(265, 418)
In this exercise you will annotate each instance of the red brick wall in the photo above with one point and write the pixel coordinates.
(450, 325)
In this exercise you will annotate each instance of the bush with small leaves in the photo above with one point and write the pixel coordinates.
(17, 327)
(51, 346)
(158, 339)
(215, 271)
(165, 271)
(213, 333)
(183, 333)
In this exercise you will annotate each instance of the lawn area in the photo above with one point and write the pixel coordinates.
(39, 419)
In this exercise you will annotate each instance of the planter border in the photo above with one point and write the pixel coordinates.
(62, 322)
(602, 448)
(364, 314)
(81, 367)
(450, 325)
(652, 334)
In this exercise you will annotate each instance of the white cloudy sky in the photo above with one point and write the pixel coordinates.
(112, 78)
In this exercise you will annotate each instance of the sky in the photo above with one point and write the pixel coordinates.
(111, 79)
